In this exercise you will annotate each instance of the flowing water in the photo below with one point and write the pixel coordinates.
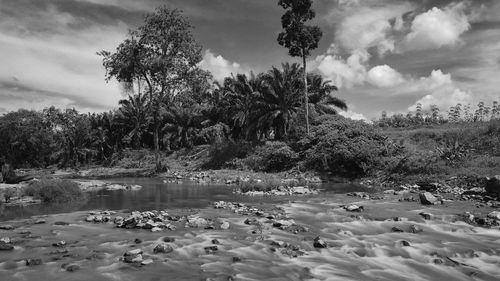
(361, 246)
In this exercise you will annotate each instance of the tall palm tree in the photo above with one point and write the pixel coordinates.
(321, 100)
(241, 97)
(281, 99)
(133, 116)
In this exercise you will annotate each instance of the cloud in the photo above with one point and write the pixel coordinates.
(354, 115)
(219, 66)
(369, 26)
(437, 28)
(384, 76)
(343, 73)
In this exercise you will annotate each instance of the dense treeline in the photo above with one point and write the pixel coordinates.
(456, 114)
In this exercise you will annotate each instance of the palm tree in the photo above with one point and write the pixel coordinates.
(182, 124)
(133, 116)
(321, 100)
(281, 99)
(241, 96)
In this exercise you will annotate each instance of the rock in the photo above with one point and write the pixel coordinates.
(354, 208)
(40, 221)
(156, 229)
(389, 191)
(211, 250)
(492, 185)
(61, 223)
(33, 262)
(138, 241)
(468, 217)
(251, 221)
(319, 243)
(5, 240)
(224, 225)
(6, 246)
(147, 262)
(72, 267)
(428, 186)
(168, 239)
(98, 218)
(426, 216)
(6, 227)
(215, 242)
(397, 229)
(236, 259)
(134, 252)
(494, 215)
(163, 249)
(59, 244)
(415, 229)
(427, 198)
(405, 243)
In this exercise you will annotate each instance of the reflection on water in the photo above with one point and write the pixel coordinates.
(155, 195)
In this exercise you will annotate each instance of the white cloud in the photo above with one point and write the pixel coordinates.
(343, 73)
(219, 66)
(354, 115)
(384, 76)
(437, 28)
(368, 26)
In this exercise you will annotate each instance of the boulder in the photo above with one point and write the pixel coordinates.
(33, 262)
(147, 261)
(427, 198)
(354, 208)
(211, 249)
(492, 185)
(426, 216)
(415, 229)
(319, 243)
(224, 225)
(72, 267)
(163, 249)
(6, 227)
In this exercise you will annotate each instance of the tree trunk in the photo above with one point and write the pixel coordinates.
(306, 99)
(157, 143)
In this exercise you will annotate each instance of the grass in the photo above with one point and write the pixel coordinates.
(55, 191)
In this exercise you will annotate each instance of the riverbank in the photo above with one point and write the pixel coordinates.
(265, 241)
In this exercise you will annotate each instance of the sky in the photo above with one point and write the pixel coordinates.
(384, 55)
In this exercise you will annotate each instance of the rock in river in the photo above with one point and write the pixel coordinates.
(494, 215)
(427, 198)
(162, 249)
(319, 243)
(6, 246)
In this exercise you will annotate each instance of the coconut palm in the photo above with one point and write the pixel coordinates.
(182, 124)
(321, 100)
(281, 99)
(133, 116)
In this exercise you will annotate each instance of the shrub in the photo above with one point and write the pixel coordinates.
(346, 147)
(272, 157)
(220, 154)
(55, 191)
(267, 184)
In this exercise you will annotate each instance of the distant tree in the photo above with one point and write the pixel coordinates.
(479, 113)
(495, 111)
(163, 54)
(298, 37)
(435, 113)
(133, 117)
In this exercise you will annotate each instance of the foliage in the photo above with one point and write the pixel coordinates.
(220, 154)
(346, 147)
(55, 191)
(272, 157)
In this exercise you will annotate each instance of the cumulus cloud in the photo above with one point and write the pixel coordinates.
(354, 115)
(437, 28)
(219, 66)
(384, 76)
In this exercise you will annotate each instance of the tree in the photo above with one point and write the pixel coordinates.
(133, 117)
(320, 95)
(163, 55)
(298, 37)
(281, 99)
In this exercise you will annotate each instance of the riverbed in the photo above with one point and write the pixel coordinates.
(378, 243)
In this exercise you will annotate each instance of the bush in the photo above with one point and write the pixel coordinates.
(346, 147)
(267, 184)
(272, 157)
(55, 191)
(222, 154)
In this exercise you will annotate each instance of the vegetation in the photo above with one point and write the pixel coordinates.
(55, 191)
(256, 122)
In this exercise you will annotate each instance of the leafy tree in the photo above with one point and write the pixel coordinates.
(298, 37)
(182, 124)
(281, 99)
(164, 55)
